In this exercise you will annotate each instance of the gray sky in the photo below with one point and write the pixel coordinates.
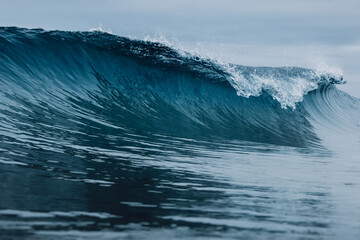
(258, 32)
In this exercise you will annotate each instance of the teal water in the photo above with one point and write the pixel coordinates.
(103, 137)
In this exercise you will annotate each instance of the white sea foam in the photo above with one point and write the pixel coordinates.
(285, 88)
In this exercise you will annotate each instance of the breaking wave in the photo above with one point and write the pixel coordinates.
(56, 86)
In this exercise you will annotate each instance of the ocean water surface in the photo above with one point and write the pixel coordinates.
(107, 137)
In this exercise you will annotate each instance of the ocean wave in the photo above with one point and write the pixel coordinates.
(56, 84)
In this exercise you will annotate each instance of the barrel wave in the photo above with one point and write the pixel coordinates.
(129, 116)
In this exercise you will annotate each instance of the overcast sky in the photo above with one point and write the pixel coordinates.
(257, 32)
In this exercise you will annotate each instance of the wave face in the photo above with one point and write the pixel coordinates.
(100, 133)
(132, 85)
